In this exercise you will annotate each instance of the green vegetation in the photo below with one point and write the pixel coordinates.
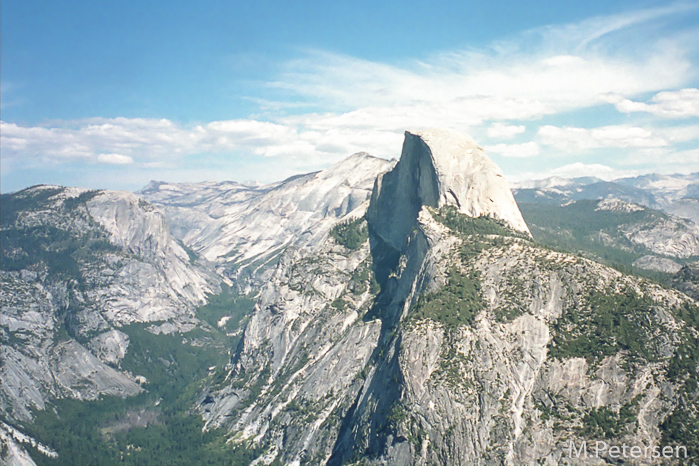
(507, 314)
(579, 228)
(460, 223)
(229, 304)
(59, 250)
(364, 278)
(176, 366)
(682, 425)
(339, 304)
(451, 362)
(455, 304)
(171, 362)
(303, 409)
(458, 302)
(73, 202)
(601, 423)
(397, 414)
(78, 430)
(13, 204)
(351, 234)
(191, 254)
(605, 423)
(603, 325)
(78, 434)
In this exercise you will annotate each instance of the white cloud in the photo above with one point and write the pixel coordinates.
(467, 89)
(524, 150)
(114, 159)
(598, 170)
(575, 139)
(540, 72)
(576, 170)
(669, 104)
(151, 143)
(500, 130)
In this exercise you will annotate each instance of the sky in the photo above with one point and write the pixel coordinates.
(107, 94)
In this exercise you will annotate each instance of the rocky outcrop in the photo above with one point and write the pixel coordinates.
(687, 280)
(439, 168)
(672, 237)
(658, 264)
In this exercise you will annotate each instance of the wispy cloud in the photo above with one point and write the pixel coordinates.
(159, 142)
(574, 139)
(114, 159)
(670, 104)
(502, 131)
(523, 150)
(497, 93)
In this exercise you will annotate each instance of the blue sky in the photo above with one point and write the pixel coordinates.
(107, 94)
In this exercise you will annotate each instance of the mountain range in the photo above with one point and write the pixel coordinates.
(410, 312)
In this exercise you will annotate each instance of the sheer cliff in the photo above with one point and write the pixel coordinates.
(449, 337)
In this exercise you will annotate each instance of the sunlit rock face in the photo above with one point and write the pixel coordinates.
(439, 168)
(245, 229)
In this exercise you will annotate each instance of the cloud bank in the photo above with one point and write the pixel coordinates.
(516, 97)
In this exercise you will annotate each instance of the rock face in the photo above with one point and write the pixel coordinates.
(439, 168)
(246, 229)
(659, 264)
(448, 337)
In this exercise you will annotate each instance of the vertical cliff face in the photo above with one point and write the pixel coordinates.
(485, 355)
(440, 168)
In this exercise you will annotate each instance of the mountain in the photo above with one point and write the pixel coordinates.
(667, 188)
(78, 268)
(642, 223)
(245, 229)
(559, 191)
(660, 192)
(375, 312)
(445, 338)
(616, 232)
(101, 298)
(439, 168)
